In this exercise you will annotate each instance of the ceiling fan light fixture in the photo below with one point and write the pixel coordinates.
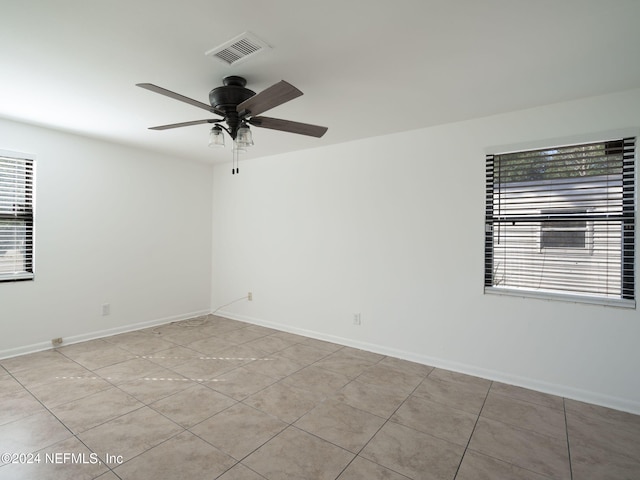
(216, 137)
(244, 138)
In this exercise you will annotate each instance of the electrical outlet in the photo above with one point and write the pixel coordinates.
(250, 296)
(356, 319)
(56, 341)
(106, 309)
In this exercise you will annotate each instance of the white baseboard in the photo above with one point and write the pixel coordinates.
(586, 396)
(38, 347)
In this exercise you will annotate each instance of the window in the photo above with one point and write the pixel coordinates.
(564, 233)
(16, 217)
(561, 222)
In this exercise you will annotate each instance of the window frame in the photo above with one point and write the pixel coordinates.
(627, 281)
(23, 216)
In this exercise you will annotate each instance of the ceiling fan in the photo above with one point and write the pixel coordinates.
(239, 107)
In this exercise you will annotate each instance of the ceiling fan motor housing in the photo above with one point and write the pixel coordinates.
(228, 97)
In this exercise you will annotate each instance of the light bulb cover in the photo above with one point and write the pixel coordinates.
(243, 137)
(216, 137)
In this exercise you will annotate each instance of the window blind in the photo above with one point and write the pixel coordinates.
(562, 221)
(16, 218)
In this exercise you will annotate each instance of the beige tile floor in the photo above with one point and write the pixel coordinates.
(212, 398)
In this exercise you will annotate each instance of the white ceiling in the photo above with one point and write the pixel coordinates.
(367, 67)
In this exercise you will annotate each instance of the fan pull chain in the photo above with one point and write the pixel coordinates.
(234, 159)
(237, 159)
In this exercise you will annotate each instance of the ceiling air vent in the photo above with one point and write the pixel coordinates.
(238, 49)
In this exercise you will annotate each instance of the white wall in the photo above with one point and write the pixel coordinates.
(113, 225)
(393, 228)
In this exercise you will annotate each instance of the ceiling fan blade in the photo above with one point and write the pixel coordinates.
(289, 126)
(273, 96)
(177, 96)
(186, 124)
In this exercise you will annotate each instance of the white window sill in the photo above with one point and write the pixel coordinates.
(564, 297)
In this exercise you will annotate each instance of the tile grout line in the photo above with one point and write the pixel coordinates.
(514, 426)
(357, 454)
(472, 431)
(291, 424)
(73, 434)
(144, 404)
(242, 402)
(566, 426)
(235, 465)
